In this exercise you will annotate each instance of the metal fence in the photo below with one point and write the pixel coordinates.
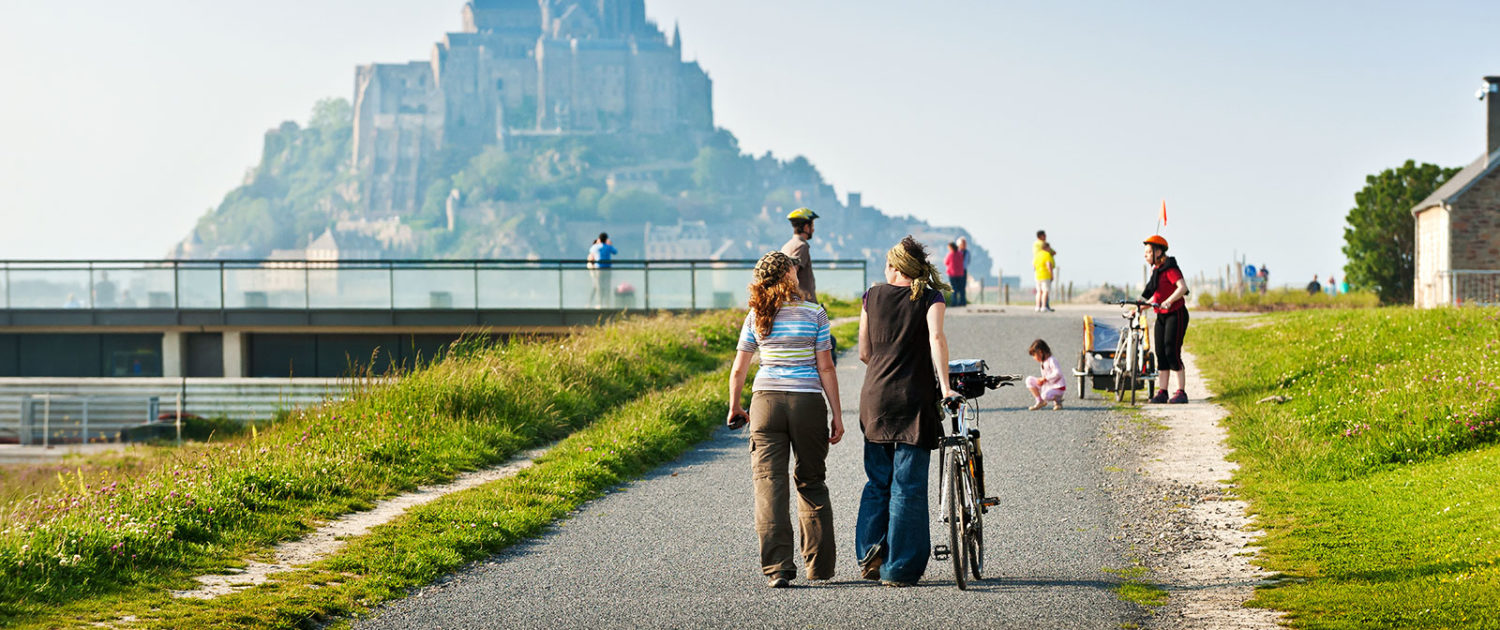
(71, 411)
(394, 284)
(1466, 287)
(48, 419)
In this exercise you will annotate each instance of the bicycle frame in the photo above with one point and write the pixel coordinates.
(957, 444)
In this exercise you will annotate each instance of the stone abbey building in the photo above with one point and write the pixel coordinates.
(521, 68)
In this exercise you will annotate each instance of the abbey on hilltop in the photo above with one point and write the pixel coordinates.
(521, 68)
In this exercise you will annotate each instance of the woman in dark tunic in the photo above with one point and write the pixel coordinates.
(902, 344)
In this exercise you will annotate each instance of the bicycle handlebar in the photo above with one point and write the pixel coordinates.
(997, 381)
(952, 402)
(1136, 303)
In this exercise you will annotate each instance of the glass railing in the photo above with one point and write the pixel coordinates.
(395, 284)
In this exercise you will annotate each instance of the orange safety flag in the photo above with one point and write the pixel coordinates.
(1164, 212)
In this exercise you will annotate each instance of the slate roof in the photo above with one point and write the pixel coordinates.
(1454, 188)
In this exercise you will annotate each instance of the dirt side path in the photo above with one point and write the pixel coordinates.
(1192, 529)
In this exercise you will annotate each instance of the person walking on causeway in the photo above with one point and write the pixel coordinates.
(1167, 290)
(902, 343)
(788, 416)
(958, 275)
(797, 248)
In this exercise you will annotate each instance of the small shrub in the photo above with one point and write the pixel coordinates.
(1284, 300)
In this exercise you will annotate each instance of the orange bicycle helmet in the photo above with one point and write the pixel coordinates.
(1155, 239)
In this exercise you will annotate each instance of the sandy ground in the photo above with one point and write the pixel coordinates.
(328, 538)
(1193, 531)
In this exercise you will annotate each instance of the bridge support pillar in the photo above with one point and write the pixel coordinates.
(235, 355)
(172, 354)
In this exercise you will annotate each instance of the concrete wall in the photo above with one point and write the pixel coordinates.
(1431, 257)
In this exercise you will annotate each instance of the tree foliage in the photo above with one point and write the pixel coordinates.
(636, 206)
(722, 170)
(292, 192)
(1380, 238)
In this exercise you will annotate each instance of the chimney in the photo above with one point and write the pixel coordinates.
(1491, 96)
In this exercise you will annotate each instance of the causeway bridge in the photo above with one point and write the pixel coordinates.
(315, 318)
(90, 347)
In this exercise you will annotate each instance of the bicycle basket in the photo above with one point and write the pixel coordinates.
(966, 376)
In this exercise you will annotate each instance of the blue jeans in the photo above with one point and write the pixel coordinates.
(893, 510)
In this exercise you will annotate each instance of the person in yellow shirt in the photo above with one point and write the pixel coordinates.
(1044, 264)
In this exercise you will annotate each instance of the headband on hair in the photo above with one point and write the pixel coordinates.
(921, 272)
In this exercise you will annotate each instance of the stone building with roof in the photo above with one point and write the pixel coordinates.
(1458, 227)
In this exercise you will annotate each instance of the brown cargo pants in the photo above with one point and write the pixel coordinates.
(782, 423)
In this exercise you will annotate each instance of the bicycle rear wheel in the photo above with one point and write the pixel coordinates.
(953, 478)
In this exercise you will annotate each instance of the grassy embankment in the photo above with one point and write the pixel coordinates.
(1284, 300)
(1376, 481)
(107, 544)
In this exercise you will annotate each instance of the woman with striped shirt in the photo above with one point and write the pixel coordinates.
(787, 417)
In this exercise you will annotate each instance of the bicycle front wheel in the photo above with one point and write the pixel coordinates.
(953, 479)
(974, 528)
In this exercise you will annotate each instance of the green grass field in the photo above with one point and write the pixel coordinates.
(1377, 480)
(102, 539)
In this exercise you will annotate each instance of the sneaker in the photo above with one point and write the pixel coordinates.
(1179, 398)
(782, 579)
(1037, 406)
(1160, 397)
(869, 566)
(1056, 405)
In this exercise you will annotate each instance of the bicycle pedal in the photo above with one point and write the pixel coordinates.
(990, 502)
(940, 552)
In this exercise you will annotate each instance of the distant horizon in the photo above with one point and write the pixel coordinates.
(1256, 124)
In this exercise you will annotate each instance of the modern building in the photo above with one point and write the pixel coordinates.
(1458, 227)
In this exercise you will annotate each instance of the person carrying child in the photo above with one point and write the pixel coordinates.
(1050, 386)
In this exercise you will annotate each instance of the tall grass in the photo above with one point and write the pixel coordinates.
(434, 539)
(1376, 479)
(839, 307)
(1285, 300)
(210, 505)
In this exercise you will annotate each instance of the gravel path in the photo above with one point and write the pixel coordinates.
(677, 548)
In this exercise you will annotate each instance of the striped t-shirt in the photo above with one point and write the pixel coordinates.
(788, 360)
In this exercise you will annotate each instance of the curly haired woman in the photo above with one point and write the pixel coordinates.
(788, 416)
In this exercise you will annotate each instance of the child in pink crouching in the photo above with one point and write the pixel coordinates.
(1050, 387)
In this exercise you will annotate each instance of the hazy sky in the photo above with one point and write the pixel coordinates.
(122, 122)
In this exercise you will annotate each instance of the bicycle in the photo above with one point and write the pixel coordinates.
(1134, 360)
(961, 499)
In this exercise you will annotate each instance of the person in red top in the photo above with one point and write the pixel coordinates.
(1167, 290)
(958, 275)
